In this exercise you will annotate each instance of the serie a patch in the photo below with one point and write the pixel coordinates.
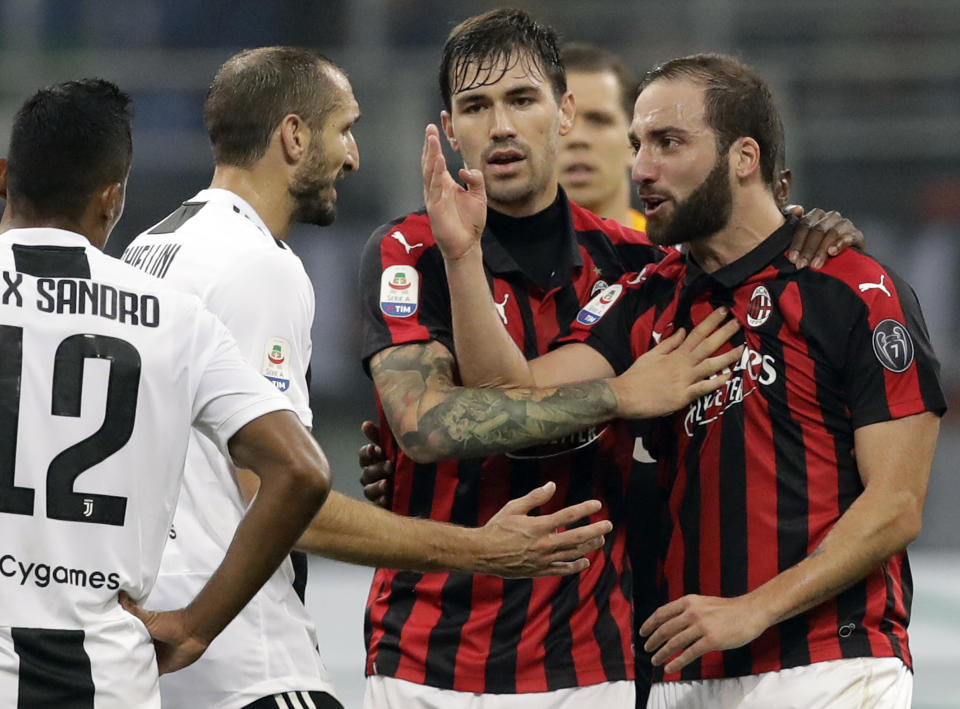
(276, 366)
(596, 308)
(399, 291)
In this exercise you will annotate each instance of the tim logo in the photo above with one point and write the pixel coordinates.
(893, 345)
(761, 305)
(87, 507)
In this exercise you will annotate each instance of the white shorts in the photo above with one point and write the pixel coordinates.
(837, 684)
(389, 693)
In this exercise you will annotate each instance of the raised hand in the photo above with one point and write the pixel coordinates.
(678, 370)
(820, 235)
(175, 646)
(457, 214)
(521, 545)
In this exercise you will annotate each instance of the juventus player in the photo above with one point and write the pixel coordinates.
(794, 490)
(280, 125)
(101, 375)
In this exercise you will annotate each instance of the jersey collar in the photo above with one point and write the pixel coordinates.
(218, 195)
(45, 236)
(500, 262)
(755, 260)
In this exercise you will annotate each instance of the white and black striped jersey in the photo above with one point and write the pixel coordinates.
(217, 247)
(102, 372)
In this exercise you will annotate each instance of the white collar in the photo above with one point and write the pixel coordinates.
(239, 204)
(45, 236)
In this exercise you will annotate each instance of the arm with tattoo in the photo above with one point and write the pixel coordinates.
(433, 419)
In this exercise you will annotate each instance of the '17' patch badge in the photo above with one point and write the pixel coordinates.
(893, 345)
(276, 365)
(595, 309)
(399, 291)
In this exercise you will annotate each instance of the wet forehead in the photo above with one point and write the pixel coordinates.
(497, 75)
(677, 103)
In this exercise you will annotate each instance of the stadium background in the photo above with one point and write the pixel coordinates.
(870, 93)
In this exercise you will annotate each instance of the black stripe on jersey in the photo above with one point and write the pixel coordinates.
(689, 521)
(299, 561)
(402, 589)
(567, 306)
(184, 213)
(889, 611)
(501, 665)
(793, 502)
(606, 629)
(54, 669)
(733, 526)
(456, 598)
(530, 347)
(51, 261)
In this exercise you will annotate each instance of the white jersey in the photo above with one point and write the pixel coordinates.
(102, 371)
(217, 247)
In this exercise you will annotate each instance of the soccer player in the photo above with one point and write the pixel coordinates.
(793, 490)
(595, 155)
(101, 370)
(441, 637)
(280, 124)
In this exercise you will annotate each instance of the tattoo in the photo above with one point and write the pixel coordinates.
(430, 415)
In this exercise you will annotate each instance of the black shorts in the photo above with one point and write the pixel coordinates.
(296, 700)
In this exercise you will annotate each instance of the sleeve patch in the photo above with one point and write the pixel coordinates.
(596, 308)
(893, 345)
(276, 365)
(399, 291)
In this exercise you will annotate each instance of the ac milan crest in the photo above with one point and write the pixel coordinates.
(761, 305)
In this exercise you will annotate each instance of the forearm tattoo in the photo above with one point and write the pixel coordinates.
(458, 422)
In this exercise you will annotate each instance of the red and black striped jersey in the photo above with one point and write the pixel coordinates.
(479, 633)
(757, 473)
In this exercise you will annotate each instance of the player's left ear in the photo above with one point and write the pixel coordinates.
(746, 157)
(568, 112)
(294, 138)
(111, 201)
(3, 178)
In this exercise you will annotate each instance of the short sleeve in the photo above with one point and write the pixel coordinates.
(403, 288)
(266, 301)
(229, 393)
(606, 324)
(890, 370)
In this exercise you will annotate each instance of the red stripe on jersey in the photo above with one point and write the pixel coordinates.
(393, 252)
(477, 634)
(376, 609)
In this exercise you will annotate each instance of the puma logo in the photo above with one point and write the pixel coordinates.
(502, 307)
(864, 287)
(403, 240)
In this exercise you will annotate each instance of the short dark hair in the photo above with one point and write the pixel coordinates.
(738, 104)
(67, 141)
(591, 59)
(255, 89)
(485, 43)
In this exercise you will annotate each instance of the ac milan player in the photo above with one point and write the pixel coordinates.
(441, 637)
(794, 490)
